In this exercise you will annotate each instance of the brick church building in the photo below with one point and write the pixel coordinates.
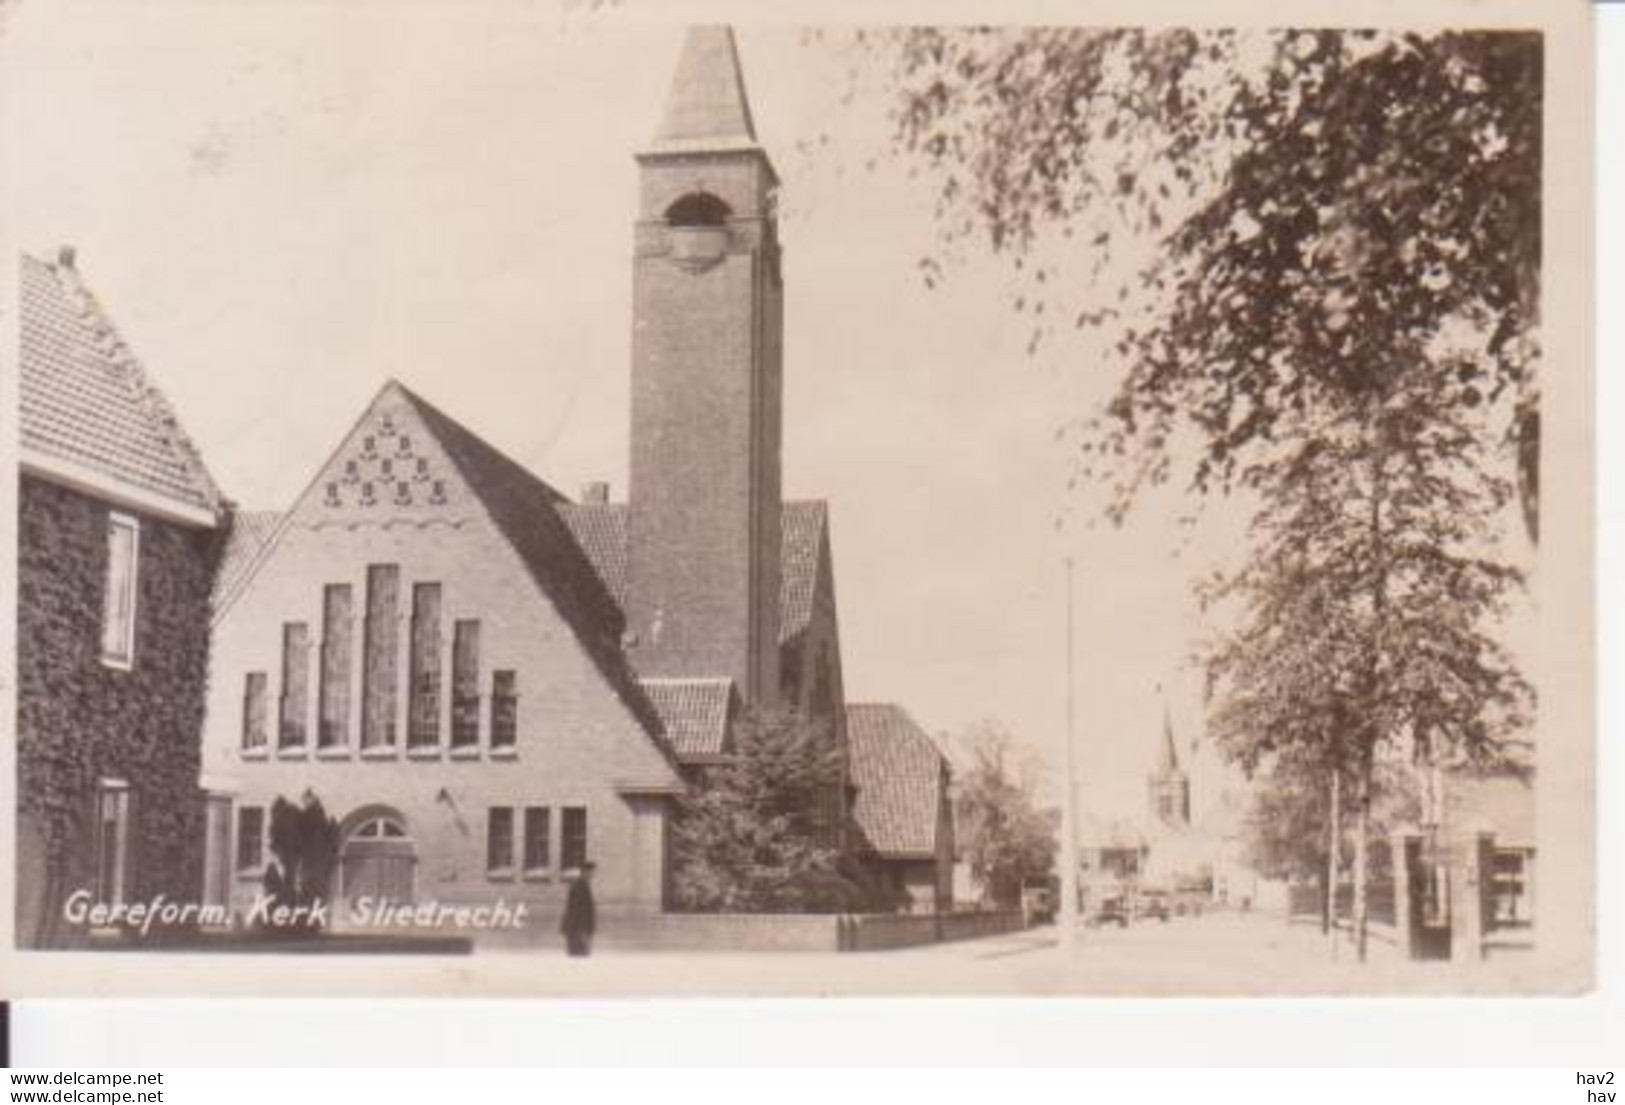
(488, 683)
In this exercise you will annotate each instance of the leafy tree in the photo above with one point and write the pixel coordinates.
(1295, 209)
(304, 844)
(1331, 316)
(1367, 600)
(1005, 835)
(757, 833)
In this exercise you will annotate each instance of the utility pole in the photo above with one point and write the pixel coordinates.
(1068, 917)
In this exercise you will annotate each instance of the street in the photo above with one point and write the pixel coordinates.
(1219, 952)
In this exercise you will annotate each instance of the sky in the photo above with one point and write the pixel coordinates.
(284, 206)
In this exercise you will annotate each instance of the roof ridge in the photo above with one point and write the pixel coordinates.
(113, 346)
(88, 399)
(583, 601)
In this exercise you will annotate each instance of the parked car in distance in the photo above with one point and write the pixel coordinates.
(1111, 909)
(1152, 903)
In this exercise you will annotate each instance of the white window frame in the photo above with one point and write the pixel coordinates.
(113, 796)
(237, 869)
(120, 655)
(545, 870)
(502, 873)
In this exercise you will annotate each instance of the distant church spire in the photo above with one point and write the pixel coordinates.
(707, 103)
(1169, 785)
(1169, 762)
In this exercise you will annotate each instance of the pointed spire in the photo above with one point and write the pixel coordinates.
(706, 107)
(1168, 764)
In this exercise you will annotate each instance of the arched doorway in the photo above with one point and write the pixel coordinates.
(377, 862)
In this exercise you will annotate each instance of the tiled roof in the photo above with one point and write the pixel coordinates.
(250, 529)
(601, 528)
(85, 400)
(801, 543)
(899, 774)
(694, 712)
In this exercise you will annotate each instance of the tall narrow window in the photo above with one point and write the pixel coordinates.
(573, 837)
(499, 840)
(538, 846)
(250, 839)
(333, 723)
(379, 658)
(423, 719)
(504, 709)
(465, 684)
(118, 604)
(255, 717)
(292, 726)
(112, 842)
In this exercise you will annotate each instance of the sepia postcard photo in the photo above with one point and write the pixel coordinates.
(615, 499)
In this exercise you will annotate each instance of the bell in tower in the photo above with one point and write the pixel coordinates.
(707, 382)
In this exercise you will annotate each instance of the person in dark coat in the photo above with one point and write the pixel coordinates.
(580, 915)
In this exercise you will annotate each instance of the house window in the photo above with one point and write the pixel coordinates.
(504, 709)
(255, 718)
(538, 846)
(465, 684)
(119, 602)
(333, 723)
(499, 841)
(295, 685)
(112, 842)
(1512, 904)
(573, 837)
(423, 717)
(380, 657)
(250, 839)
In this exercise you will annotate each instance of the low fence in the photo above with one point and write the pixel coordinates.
(879, 931)
(723, 932)
(776, 932)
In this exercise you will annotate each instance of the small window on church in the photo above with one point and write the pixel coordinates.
(292, 723)
(423, 718)
(698, 209)
(465, 683)
(254, 712)
(504, 709)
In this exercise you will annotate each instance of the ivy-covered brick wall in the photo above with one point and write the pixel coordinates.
(80, 721)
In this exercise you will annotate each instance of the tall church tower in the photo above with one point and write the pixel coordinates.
(707, 384)
(1170, 786)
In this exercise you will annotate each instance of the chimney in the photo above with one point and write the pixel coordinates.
(65, 256)
(595, 493)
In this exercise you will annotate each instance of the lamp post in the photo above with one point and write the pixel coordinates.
(1068, 916)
